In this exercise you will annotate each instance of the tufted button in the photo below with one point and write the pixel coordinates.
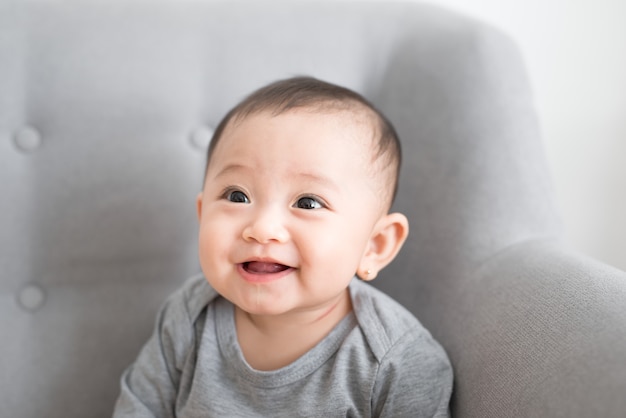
(27, 139)
(31, 297)
(201, 137)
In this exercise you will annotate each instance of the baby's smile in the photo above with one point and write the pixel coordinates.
(263, 271)
(264, 267)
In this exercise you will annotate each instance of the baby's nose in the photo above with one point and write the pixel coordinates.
(268, 226)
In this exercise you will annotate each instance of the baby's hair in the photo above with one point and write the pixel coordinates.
(316, 95)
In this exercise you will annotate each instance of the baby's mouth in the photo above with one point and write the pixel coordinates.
(261, 267)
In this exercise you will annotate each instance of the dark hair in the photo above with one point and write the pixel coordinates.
(308, 92)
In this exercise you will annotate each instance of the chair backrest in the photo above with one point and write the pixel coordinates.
(106, 108)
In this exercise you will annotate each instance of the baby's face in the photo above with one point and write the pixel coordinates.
(287, 210)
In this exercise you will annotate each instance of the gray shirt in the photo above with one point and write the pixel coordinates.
(378, 361)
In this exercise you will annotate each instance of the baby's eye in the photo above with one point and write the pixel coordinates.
(236, 196)
(309, 203)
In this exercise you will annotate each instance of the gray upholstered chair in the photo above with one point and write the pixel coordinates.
(105, 108)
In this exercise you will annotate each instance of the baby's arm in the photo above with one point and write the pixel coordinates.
(414, 380)
(149, 387)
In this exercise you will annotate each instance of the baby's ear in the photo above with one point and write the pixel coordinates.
(199, 205)
(387, 238)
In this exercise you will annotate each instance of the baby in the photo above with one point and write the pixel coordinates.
(299, 182)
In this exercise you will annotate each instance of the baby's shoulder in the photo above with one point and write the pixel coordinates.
(384, 322)
(413, 372)
(192, 298)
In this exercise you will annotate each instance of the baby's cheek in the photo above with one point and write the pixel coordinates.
(211, 248)
(338, 258)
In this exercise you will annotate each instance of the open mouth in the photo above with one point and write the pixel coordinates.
(261, 267)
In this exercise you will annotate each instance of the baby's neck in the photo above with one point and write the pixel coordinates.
(272, 342)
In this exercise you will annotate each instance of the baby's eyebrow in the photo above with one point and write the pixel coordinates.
(318, 178)
(309, 177)
(231, 168)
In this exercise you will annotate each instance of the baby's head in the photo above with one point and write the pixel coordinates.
(308, 94)
(299, 181)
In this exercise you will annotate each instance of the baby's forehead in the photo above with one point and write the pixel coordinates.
(360, 124)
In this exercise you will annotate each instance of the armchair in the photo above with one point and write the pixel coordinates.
(106, 108)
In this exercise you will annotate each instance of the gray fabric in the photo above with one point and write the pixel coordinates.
(379, 361)
(100, 102)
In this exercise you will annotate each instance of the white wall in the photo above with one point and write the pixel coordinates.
(576, 56)
(575, 52)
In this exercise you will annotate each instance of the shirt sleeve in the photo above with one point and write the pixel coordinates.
(414, 380)
(149, 387)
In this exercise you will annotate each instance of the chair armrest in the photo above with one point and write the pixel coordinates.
(540, 332)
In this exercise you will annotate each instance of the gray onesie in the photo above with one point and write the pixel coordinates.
(378, 361)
